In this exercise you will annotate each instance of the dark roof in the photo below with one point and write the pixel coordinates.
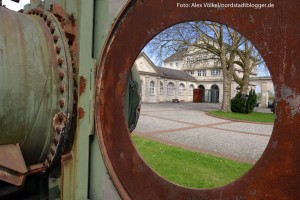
(174, 74)
(176, 56)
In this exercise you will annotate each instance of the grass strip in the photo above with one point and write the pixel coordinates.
(188, 168)
(252, 117)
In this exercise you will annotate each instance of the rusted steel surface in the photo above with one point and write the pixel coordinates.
(12, 164)
(82, 85)
(80, 113)
(273, 31)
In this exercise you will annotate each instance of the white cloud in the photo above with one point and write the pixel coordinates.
(15, 6)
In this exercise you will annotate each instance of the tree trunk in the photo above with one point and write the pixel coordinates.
(245, 85)
(226, 103)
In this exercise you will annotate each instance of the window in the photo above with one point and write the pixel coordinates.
(170, 89)
(192, 72)
(152, 88)
(216, 72)
(202, 72)
(188, 60)
(181, 89)
(176, 64)
(161, 91)
(191, 89)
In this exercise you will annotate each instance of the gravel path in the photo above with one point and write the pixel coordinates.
(188, 126)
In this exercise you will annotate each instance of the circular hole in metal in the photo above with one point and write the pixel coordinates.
(181, 133)
(135, 179)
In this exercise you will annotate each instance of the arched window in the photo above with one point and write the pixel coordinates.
(161, 90)
(214, 94)
(181, 89)
(152, 88)
(170, 89)
(191, 89)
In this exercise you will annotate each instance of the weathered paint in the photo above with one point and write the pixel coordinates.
(36, 109)
(11, 159)
(75, 173)
(27, 81)
(274, 33)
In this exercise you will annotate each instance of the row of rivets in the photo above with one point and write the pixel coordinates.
(61, 75)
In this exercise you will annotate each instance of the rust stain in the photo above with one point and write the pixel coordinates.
(59, 121)
(66, 158)
(58, 12)
(80, 113)
(82, 85)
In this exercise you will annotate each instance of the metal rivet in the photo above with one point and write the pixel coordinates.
(60, 61)
(45, 17)
(58, 48)
(52, 150)
(58, 130)
(55, 38)
(61, 74)
(55, 141)
(61, 103)
(49, 159)
(52, 29)
(46, 163)
(62, 88)
(48, 22)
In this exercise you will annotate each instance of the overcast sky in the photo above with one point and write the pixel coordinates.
(15, 6)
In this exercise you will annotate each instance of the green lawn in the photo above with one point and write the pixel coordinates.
(188, 168)
(254, 116)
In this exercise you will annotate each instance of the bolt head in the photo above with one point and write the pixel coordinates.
(61, 74)
(60, 61)
(52, 29)
(55, 141)
(52, 150)
(55, 38)
(61, 103)
(57, 48)
(48, 22)
(62, 88)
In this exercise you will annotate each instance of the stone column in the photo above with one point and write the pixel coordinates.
(147, 89)
(264, 94)
(157, 90)
(165, 95)
(176, 89)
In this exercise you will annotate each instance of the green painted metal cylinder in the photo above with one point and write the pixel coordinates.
(30, 84)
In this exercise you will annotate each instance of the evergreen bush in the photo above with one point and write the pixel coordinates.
(244, 104)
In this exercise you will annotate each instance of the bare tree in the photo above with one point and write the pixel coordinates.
(215, 38)
(249, 59)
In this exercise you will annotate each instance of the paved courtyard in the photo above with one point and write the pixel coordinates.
(187, 125)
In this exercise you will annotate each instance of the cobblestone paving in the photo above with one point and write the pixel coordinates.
(188, 126)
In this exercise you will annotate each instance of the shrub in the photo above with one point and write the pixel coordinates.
(244, 103)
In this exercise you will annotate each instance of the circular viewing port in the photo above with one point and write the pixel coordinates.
(274, 176)
(182, 132)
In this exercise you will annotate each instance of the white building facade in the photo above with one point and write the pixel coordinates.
(160, 84)
(185, 71)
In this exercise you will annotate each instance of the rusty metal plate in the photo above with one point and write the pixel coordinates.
(273, 31)
(12, 164)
